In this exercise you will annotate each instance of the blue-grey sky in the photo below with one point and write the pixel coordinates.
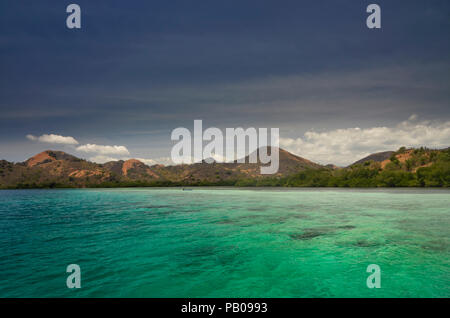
(137, 70)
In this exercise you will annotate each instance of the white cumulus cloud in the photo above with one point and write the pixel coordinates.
(104, 150)
(102, 159)
(54, 139)
(150, 162)
(345, 146)
(162, 160)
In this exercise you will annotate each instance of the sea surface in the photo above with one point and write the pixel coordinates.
(220, 242)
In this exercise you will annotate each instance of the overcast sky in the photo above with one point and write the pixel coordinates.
(137, 70)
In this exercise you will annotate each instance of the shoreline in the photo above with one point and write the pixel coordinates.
(281, 188)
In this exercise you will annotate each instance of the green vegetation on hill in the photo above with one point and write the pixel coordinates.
(413, 172)
(403, 168)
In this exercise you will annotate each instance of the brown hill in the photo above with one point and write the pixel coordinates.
(376, 157)
(288, 164)
(218, 172)
(132, 169)
(52, 168)
(49, 156)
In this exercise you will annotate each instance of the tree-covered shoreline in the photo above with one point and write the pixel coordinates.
(405, 168)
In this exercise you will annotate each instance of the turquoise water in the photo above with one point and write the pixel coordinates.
(224, 242)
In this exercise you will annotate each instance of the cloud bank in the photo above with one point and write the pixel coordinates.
(54, 139)
(345, 146)
(167, 161)
(104, 150)
(149, 162)
(102, 159)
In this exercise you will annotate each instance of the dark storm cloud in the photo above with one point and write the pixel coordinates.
(137, 70)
